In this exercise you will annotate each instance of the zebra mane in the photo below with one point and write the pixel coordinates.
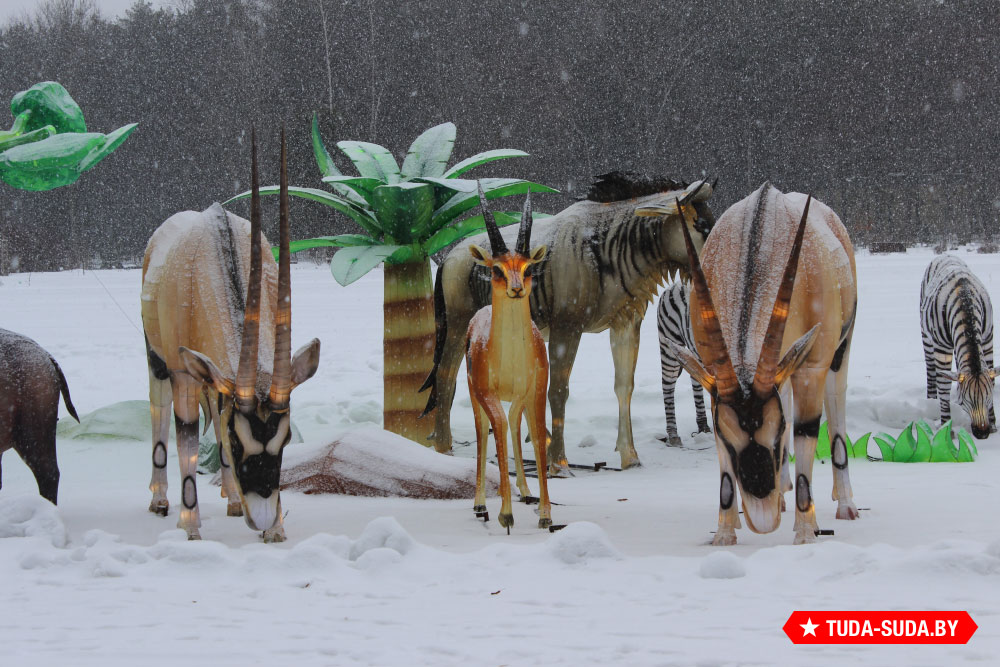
(621, 185)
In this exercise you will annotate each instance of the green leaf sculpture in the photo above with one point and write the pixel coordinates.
(917, 443)
(48, 145)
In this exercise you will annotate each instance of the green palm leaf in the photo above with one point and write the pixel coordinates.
(358, 185)
(468, 227)
(404, 209)
(111, 142)
(429, 153)
(371, 160)
(350, 264)
(482, 158)
(359, 215)
(465, 200)
(323, 159)
(340, 241)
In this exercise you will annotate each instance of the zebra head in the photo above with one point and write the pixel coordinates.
(256, 425)
(749, 420)
(511, 272)
(975, 395)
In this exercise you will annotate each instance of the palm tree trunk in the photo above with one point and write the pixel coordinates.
(408, 348)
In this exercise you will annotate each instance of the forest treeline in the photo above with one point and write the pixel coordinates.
(887, 111)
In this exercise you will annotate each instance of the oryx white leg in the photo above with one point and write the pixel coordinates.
(159, 413)
(514, 420)
(186, 392)
(807, 384)
(624, 353)
(482, 433)
(729, 515)
(836, 419)
(786, 441)
(229, 490)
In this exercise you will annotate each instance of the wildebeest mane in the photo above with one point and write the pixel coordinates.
(621, 185)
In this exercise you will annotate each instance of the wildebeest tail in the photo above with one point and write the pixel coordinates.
(440, 334)
(64, 388)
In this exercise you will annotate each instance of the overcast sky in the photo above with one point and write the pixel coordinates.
(15, 8)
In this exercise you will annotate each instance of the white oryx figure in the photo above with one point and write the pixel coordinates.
(772, 309)
(208, 345)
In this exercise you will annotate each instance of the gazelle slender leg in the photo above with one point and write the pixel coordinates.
(563, 344)
(729, 515)
(536, 426)
(931, 366)
(498, 420)
(514, 420)
(482, 433)
(159, 412)
(186, 392)
(670, 370)
(229, 490)
(836, 419)
(624, 353)
(786, 442)
(943, 360)
(808, 413)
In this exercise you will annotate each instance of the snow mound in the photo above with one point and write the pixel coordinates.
(721, 565)
(580, 542)
(372, 462)
(382, 533)
(32, 516)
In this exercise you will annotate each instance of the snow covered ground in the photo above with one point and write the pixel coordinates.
(383, 581)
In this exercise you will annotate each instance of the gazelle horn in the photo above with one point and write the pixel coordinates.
(246, 374)
(497, 244)
(717, 359)
(767, 365)
(524, 232)
(281, 378)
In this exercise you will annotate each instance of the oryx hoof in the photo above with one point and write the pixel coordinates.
(506, 520)
(805, 536)
(560, 469)
(724, 538)
(544, 522)
(160, 507)
(630, 462)
(847, 510)
(273, 536)
(234, 509)
(782, 503)
(193, 535)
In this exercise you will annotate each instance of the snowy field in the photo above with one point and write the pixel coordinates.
(631, 580)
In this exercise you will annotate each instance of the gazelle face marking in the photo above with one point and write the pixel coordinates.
(510, 271)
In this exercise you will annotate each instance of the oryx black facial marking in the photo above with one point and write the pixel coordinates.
(160, 455)
(839, 452)
(761, 424)
(803, 494)
(257, 453)
(726, 491)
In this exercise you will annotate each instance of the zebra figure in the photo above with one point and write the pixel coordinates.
(956, 320)
(673, 323)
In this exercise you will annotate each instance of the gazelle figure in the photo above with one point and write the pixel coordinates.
(506, 361)
(764, 322)
(196, 270)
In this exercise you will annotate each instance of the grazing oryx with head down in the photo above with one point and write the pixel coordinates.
(506, 361)
(206, 344)
(603, 266)
(956, 320)
(775, 303)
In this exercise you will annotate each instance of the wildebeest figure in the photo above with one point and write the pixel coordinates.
(956, 321)
(776, 303)
(506, 361)
(604, 264)
(30, 384)
(206, 343)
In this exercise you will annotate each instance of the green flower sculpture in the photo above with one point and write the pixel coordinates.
(917, 443)
(48, 145)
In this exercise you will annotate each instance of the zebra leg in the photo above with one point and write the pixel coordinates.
(159, 411)
(808, 398)
(931, 366)
(514, 423)
(670, 370)
(563, 345)
(624, 353)
(186, 392)
(943, 361)
(699, 407)
(836, 419)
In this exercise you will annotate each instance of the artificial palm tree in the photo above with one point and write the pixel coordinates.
(406, 213)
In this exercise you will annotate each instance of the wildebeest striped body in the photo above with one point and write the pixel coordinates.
(956, 323)
(604, 265)
(673, 324)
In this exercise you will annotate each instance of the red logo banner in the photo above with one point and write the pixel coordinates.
(880, 627)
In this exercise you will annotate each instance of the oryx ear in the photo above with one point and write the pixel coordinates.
(202, 369)
(692, 364)
(539, 253)
(479, 255)
(304, 362)
(795, 355)
(950, 376)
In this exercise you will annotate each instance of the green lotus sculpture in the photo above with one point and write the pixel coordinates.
(48, 145)
(917, 443)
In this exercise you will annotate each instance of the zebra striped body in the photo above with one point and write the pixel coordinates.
(673, 324)
(956, 322)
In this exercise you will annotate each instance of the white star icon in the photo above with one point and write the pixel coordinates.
(809, 628)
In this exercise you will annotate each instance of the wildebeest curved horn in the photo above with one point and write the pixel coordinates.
(717, 359)
(524, 232)
(691, 195)
(497, 244)
(281, 378)
(246, 374)
(770, 353)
